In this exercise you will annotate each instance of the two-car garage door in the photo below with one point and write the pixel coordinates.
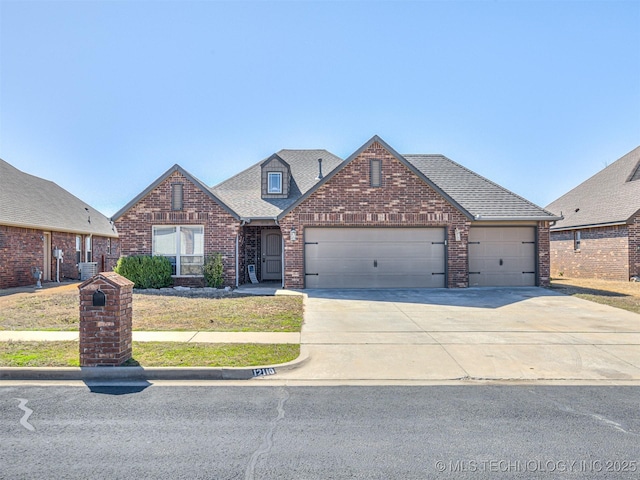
(374, 257)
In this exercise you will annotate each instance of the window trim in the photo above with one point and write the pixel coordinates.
(78, 249)
(178, 247)
(88, 248)
(375, 168)
(274, 175)
(577, 238)
(177, 206)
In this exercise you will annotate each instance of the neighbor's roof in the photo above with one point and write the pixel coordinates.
(481, 198)
(611, 196)
(32, 202)
(243, 192)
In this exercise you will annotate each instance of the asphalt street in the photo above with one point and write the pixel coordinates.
(321, 432)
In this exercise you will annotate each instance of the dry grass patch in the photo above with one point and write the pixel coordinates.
(244, 314)
(152, 354)
(57, 309)
(624, 295)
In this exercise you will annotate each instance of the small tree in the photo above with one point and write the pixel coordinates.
(214, 270)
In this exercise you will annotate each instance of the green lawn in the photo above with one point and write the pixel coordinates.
(152, 354)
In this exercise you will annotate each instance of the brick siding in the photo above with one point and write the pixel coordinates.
(23, 248)
(220, 228)
(544, 255)
(604, 253)
(403, 200)
(634, 246)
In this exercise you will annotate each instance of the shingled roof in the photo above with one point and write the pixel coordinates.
(611, 196)
(242, 192)
(481, 198)
(477, 197)
(32, 202)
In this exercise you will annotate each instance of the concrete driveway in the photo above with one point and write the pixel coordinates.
(523, 334)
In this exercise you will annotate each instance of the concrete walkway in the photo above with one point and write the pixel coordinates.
(186, 337)
(479, 334)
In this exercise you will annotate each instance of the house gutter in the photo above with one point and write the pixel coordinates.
(483, 218)
(591, 225)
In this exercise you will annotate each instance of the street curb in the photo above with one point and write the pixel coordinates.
(148, 373)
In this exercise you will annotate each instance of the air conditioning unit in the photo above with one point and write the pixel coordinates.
(88, 270)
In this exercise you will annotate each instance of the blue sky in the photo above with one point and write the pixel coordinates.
(102, 97)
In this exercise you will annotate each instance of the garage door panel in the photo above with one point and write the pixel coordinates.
(374, 257)
(502, 256)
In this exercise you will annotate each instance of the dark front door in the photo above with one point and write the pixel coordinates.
(271, 255)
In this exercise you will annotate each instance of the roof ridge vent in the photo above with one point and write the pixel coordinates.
(319, 177)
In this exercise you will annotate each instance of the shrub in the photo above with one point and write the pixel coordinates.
(214, 270)
(145, 271)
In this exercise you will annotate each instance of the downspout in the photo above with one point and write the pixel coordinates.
(243, 222)
(237, 262)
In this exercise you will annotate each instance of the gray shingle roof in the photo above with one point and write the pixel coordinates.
(32, 202)
(610, 196)
(242, 193)
(481, 198)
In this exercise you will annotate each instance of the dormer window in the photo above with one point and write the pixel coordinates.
(275, 182)
(276, 177)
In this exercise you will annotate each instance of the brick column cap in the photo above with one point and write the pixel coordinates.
(118, 281)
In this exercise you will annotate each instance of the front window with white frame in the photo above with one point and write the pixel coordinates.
(88, 256)
(183, 245)
(275, 182)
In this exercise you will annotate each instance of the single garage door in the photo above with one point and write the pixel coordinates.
(502, 256)
(374, 257)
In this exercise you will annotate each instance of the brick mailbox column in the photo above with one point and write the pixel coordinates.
(105, 320)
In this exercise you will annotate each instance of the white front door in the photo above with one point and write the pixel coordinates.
(271, 255)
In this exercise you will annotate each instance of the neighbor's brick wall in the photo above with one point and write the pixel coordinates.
(20, 249)
(634, 246)
(23, 248)
(349, 200)
(68, 267)
(604, 253)
(106, 252)
(220, 228)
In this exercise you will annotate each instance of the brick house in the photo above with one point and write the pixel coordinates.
(308, 219)
(599, 234)
(38, 218)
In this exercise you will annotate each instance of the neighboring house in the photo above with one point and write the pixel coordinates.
(599, 236)
(38, 218)
(309, 219)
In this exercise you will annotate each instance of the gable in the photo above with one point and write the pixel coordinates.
(158, 204)
(357, 191)
(177, 175)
